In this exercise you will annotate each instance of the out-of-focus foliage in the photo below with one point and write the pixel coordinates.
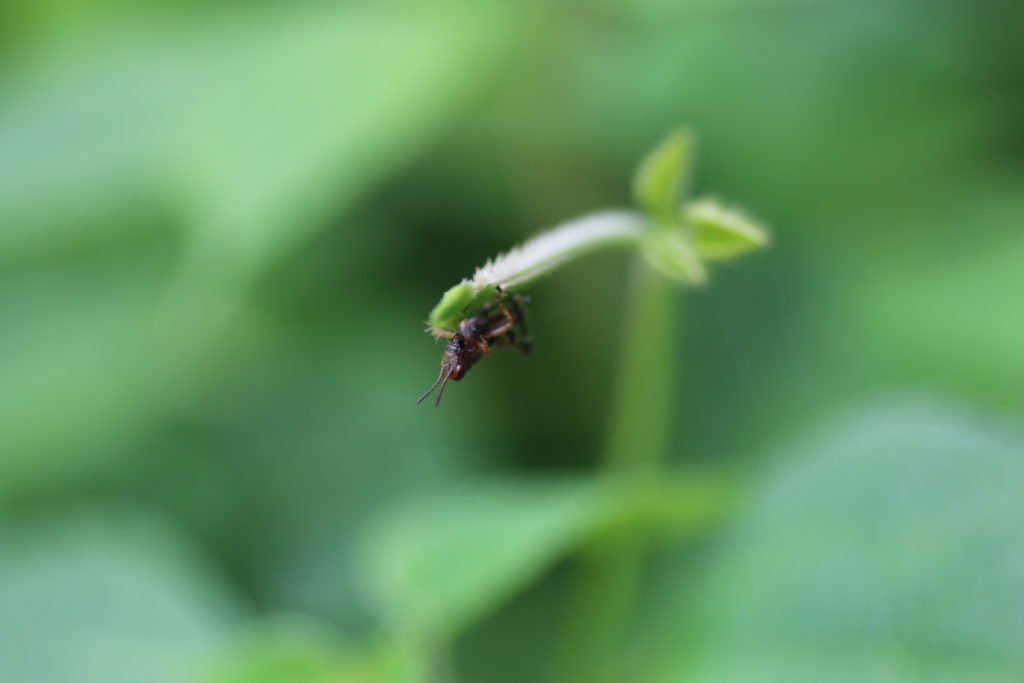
(222, 225)
(435, 564)
(438, 562)
(659, 183)
(722, 233)
(104, 597)
(884, 547)
(306, 651)
(235, 132)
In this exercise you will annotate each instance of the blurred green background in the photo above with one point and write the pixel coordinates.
(222, 225)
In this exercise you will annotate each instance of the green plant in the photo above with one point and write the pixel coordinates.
(675, 240)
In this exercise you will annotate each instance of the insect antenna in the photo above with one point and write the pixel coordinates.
(440, 393)
(443, 375)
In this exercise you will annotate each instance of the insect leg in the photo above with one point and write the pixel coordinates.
(524, 343)
(507, 321)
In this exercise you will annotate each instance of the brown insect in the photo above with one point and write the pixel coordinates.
(501, 321)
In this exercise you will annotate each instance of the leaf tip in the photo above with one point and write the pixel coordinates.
(659, 182)
(722, 232)
(448, 311)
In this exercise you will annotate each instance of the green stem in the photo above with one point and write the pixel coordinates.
(637, 443)
(638, 436)
(536, 257)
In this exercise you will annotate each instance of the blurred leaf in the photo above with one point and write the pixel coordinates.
(106, 598)
(670, 253)
(887, 547)
(241, 126)
(450, 309)
(259, 169)
(246, 120)
(814, 120)
(436, 563)
(942, 311)
(682, 502)
(321, 443)
(721, 232)
(658, 186)
(75, 353)
(300, 650)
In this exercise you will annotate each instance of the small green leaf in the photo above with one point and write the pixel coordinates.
(721, 232)
(456, 304)
(482, 297)
(449, 309)
(669, 252)
(658, 186)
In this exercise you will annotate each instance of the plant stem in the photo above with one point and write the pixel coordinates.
(637, 441)
(638, 436)
(536, 257)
